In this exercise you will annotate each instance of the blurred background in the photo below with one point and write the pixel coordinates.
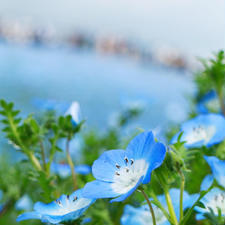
(107, 54)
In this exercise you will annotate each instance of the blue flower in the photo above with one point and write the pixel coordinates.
(120, 172)
(209, 102)
(63, 170)
(213, 200)
(218, 169)
(203, 130)
(75, 112)
(24, 203)
(66, 208)
(142, 216)
(72, 109)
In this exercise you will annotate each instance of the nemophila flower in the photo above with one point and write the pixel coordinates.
(213, 200)
(218, 169)
(75, 112)
(209, 103)
(72, 109)
(203, 130)
(142, 216)
(24, 203)
(63, 169)
(118, 173)
(66, 208)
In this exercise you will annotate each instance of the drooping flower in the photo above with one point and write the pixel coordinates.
(63, 169)
(118, 173)
(203, 130)
(209, 103)
(218, 169)
(75, 112)
(66, 208)
(142, 216)
(62, 108)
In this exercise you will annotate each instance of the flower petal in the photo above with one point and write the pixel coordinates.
(140, 146)
(218, 169)
(29, 216)
(156, 156)
(99, 189)
(207, 182)
(105, 166)
(126, 195)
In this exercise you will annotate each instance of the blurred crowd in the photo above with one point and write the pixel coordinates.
(15, 32)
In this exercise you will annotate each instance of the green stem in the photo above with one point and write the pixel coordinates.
(70, 162)
(181, 195)
(150, 206)
(8, 205)
(35, 162)
(188, 213)
(221, 100)
(159, 205)
(170, 206)
(43, 155)
(52, 152)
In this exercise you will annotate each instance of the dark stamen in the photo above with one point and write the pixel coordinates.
(126, 160)
(117, 166)
(131, 162)
(117, 174)
(58, 202)
(75, 198)
(68, 197)
(127, 170)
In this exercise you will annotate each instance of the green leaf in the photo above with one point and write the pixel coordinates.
(201, 205)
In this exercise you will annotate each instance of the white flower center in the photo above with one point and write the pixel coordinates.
(70, 205)
(200, 133)
(217, 202)
(126, 178)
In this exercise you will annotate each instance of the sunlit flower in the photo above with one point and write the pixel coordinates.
(120, 172)
(63, 169)
(75, 112)
(203, 130)
(142, 216)
(66, 208)
(62, 108)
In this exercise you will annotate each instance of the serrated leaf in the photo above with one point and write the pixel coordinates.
(34, 126)
(6, 129)
(15, 113)
(10, 106)
(5, 121)
(3, 113)
(17, 121)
